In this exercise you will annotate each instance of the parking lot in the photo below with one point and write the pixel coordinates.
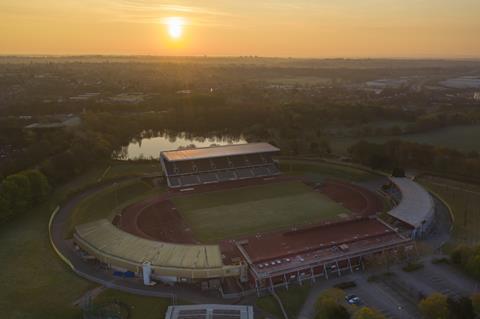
(396, 293)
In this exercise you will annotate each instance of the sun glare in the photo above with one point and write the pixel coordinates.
(175, 27)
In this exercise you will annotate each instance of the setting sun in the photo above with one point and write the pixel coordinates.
(175, 27)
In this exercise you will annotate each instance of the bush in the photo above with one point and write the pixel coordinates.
(467, 258)
(346, 285)
(412, 267)
(442, 260)
(434, 307)
(329, 306)
(367, 313)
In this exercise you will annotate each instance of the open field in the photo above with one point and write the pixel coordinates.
(108, 202)
(244, 211)
(35, 283)
(322, 170)
(119, 168)
(292, 299)
(456, 137)
(141, 307)
(464, 199)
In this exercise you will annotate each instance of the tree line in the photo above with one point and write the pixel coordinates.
(396, 153)
(22, 191)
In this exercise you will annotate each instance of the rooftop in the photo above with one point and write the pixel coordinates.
(324, 236)
(114, 242)
(209, 312)
(218, 151)
(416, 204)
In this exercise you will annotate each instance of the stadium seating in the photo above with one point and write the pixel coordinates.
(220, 163)
(203, 165)
(226, 176)
(169, 167)
(189, 180)
(208, 177)
(255, 159)
(184, 167)
(232, 165)
(273, 169)
(244, 173)
(260, 171)
(238, 161)
(174, 181)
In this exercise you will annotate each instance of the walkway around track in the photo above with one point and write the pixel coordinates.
(66, 252)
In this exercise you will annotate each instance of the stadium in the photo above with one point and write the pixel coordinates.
(232, 221)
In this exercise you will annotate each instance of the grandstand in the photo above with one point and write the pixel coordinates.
(416, 207)
(190, 167)
(123, 251)
(209, 312)
(281, 258)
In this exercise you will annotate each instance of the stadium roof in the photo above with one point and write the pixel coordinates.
(218, 151)
(114, 242)
(416, 204)
(209, 312)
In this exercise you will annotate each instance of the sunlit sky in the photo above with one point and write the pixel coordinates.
(300, 28)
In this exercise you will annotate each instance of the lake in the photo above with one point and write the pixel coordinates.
(150, 147)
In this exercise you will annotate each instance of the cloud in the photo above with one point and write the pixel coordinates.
(151, 11)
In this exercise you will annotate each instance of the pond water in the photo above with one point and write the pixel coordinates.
(150, 147)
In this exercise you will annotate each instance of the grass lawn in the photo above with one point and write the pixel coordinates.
(237, 212)
(119, 168)
(106, 203)
(141, 307)
(34, 282)
(464, 199)
(292, 300)
(456, 137)
(321, 170)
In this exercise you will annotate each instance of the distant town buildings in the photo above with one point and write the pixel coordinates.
(476, 96)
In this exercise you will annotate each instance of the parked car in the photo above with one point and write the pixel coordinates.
(352, 300)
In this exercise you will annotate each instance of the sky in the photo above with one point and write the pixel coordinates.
(301, 28)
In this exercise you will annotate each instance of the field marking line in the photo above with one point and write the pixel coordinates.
(105, 172)
(50, 222)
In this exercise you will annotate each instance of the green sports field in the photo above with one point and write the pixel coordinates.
(244, 211)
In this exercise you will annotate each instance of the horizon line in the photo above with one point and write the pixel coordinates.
(206, 56)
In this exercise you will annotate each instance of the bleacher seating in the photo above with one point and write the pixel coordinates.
(273, 169)
(255, 159)
(238, 161)
(208, 177)
(169, 167)
(244, 173)
(185, 168)
(260, 171)
(189, 180)
(226, 176)
(203, 165)
(174, 181)
(220, 163)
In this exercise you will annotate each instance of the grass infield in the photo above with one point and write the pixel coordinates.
(245, 211)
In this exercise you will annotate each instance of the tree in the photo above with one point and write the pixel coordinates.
(476, 302)
(17, 190)
(434, 306)
(367, 313)
(461, 308)
(5, 210)
(328, 305)
(39, 185)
